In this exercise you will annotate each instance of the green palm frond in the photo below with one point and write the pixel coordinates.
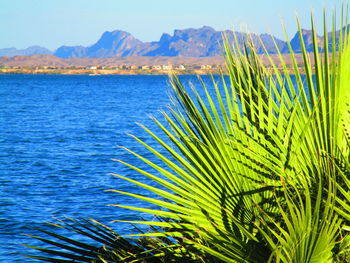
(255, 170)
(264, 136)
(101, 244)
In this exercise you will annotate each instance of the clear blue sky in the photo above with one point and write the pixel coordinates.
(52, 23)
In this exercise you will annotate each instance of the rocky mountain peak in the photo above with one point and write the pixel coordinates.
(191, 42)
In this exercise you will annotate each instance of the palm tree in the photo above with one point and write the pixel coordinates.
(257, 172)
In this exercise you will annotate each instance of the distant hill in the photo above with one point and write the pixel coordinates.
(53, 61)
(71, 52)
(33, 50)
(111, 44)
(191, 42)
(201, 42)
(307, 38)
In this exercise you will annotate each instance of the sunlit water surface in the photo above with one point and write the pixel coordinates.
(58, 136)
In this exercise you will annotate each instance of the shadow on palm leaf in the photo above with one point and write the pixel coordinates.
(102, 244)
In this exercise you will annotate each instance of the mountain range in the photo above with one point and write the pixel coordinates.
(201, 42)
(33, 50)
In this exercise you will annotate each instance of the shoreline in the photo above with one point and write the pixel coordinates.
(46, 64)
(104, 72)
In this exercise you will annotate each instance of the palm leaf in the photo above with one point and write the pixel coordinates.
(101, 244)
(243, 152)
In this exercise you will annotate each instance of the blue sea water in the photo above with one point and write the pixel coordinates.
(58, 136)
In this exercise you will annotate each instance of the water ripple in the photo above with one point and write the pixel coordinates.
(58, 137)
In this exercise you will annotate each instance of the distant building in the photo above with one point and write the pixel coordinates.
(167, 67)
(181, 67)
(205, 66)
(157, 67)
(91, 67)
